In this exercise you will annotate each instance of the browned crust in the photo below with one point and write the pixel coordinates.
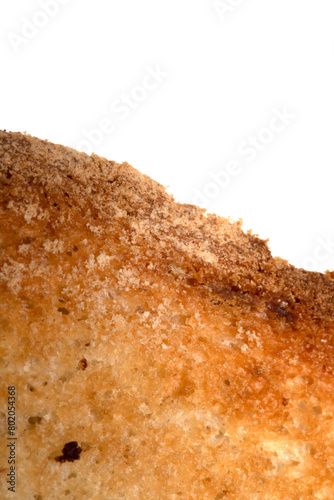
(206, 250)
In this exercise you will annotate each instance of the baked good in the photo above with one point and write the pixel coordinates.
(157, 352)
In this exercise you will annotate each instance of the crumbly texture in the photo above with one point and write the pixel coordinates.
(158, 352)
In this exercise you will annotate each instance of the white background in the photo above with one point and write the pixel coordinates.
(226, 70)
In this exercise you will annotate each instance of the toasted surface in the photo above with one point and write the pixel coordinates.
(157, 352)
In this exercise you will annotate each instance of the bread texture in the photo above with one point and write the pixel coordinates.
(158, 352)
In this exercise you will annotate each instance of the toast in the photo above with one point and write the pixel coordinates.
(156, 351)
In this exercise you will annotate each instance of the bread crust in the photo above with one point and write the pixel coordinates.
(182, 358)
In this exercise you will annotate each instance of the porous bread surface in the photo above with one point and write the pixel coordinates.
(183, 359)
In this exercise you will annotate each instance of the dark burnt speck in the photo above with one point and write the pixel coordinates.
(63, 310)
(280, 311)
(71, 452)
(34, 420)
(83, 364)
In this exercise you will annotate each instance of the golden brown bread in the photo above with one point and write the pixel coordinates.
(157, 352)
